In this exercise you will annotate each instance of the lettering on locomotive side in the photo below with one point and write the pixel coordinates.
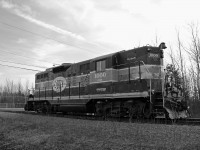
(154, 56)
(131, 58)
(100, 75)
(59, 84)
(101, 89)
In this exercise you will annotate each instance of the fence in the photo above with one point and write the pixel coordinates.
(12, 101)
(12, 105)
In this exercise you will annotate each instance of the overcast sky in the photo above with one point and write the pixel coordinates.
(46, 32)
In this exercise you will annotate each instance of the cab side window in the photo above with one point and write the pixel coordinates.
(85, 68)
(101, 65)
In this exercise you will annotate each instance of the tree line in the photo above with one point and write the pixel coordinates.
(185, 58)
(11, 92)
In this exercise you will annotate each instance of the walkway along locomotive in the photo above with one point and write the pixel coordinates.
(126, 83)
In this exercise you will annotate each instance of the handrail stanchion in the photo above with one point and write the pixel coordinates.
(69, 91)
(52, 93)
(79, 89)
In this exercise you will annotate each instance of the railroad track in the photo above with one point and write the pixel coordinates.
(187, 121)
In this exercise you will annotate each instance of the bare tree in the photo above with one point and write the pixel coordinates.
(193, 83)
(194, 52)
(9, 87)
(172, 56)
(182, 65)
(26, 90)
(157, 39)
(19, 87)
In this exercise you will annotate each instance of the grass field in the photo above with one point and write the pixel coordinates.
(19, 131)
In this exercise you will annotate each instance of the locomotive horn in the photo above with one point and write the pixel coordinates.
(162, 45)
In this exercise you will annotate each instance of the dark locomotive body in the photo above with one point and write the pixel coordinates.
(126, 83)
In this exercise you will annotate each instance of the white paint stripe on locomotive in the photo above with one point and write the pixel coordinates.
(76, 86)
(120, 95)
(103, 81)
(107, 69)
(97, 96)
(112, 69)
(79, 76)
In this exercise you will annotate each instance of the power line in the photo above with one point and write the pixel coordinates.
(40, 35)
(23, 64)
(19, 67)
(27, 57)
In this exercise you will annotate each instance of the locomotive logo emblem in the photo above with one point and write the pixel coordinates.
(59, 84)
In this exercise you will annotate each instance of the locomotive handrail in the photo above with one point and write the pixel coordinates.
(149, 81)
(140, 74)
(145, 66)
(135, 65)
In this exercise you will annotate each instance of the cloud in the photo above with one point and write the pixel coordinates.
(156, 1)
(21, 41)
(111, 5)
(26, 13)
(49, 26)
(5, 4)
(47, 48)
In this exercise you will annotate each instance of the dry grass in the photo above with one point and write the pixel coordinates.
(19, 131)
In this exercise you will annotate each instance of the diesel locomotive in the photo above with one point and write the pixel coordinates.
(129, 83)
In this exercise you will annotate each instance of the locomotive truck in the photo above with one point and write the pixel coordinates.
(129, 83)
